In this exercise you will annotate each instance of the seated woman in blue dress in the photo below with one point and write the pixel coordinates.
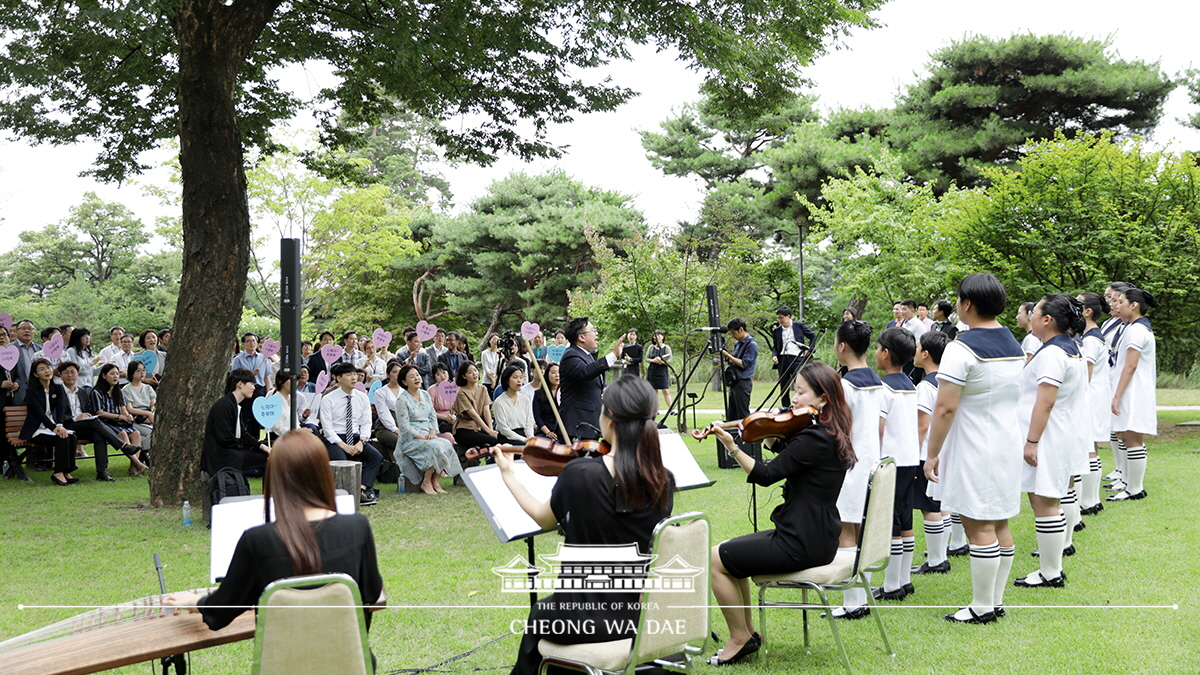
(307, 537)
(615, 499)
(417, 429)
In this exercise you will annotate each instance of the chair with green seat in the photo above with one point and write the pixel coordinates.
(312, 624)
(684, 537)
(847, 570)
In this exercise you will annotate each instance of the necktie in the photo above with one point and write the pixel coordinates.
(351, 437)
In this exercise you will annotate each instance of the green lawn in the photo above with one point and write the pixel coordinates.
(92, 544)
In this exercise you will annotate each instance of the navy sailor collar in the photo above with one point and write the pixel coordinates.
(898, 382)
(931, 378)
(1063, 342)
(991, 344)
(1095, 332)
(862, 378)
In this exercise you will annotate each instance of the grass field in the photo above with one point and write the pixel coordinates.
(1128, 606)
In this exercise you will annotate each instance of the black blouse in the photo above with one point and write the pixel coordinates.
(347, 546)
(807, 521)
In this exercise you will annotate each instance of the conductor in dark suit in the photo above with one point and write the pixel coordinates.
(582, 379)
(226, 441)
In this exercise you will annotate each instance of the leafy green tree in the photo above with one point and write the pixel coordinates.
(1083, 212)
(132, 75)
(1191, 79)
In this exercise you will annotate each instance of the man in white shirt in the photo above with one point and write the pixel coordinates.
(346, 426)
(109, 353)
(438, 347)
(909, 322)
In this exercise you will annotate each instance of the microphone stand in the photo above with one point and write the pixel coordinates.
(681, 394)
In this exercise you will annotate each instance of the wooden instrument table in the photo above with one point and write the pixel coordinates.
(115, 646)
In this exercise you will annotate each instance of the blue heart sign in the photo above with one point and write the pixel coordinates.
(268, 410)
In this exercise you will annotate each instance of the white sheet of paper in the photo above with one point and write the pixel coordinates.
(230, 520)
(678, 458)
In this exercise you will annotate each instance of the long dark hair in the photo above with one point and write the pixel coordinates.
(1066, 311)
(631, 404)
(298, 476)
(835, 416)
(1096, 303)
(544, 391)
(33, 369)
(113, 392)
(76, 342)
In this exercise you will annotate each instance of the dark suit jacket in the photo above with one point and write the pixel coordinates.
(37, 414)
(221, 448)
(800, 333)
(581, 384)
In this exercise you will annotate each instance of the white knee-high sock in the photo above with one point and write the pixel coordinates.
(1006, 563)
(1122, 457)
(958, 536)
(1117, 446)
(985, 565)
(1135, 464)
(1070, 509)
(1090, 494)
(1050, 537)
(891, 575)
(935, 541)
(853, 598)
(910, 544)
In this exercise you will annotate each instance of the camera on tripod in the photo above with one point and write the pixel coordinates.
(508, 343)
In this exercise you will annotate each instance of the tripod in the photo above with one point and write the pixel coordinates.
(681, 394)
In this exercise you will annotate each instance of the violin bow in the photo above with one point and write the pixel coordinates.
(562, 428)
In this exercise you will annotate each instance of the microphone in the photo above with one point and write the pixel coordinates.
(718, 329)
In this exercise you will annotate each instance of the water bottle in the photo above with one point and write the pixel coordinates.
(187, 514)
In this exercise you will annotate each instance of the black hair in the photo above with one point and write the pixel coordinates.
(641, 478)
(945, 308)
(48, 331)
(574, 327)
(1066, 311)
(1096, 303)
(341, 368)
(854, 312)
(985, 293)
(306, 342)
(856, 335)
(63, 365)
(784, 310)
(115, 390)
(387, 370)
(37, 363)
(348, 334)
(460, 378)
(923, 304)
(235, 377)
(934, 343)
(1027, 307)
(404, 373)
(163, 333)
(736, 324)
(133, 367)
(324, 333)
(410, 335)
(900, 343)
(1144, 300)
(910, 303)
(440, 366)
(77, 341)
(246, 335)
(28, 321)
(508, 373)
(440, 330)
(1120, 286)
(557, 332)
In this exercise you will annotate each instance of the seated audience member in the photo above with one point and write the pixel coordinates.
(316, 362)
(473, 428)
(385, 411)
(443, 408)
(148, 341)
(122, 358)
(413, 355)
(371, 364)
(109, 352)
(283, 388)
(306, 350)
(46, 415)
(350, 351)
(88, 427)
(306, 536)
(79, 352)
(47, 333)
(108, 404)
(514, 412)
(438, 347)
(164, 336)
(418, 434)
(225, 443)
(490, 361)
(140, 399)
(8, 386)
(28, 350)
(252, 360)
(543, 412)
(303, 383)
(453, 356)
(346, 426)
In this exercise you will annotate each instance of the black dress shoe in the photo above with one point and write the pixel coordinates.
(1038, 581)
(987, 617)
(909, 589)
(1080, 525)
(1092, 510)
(1069, 551)
(961, 550)
(72, 480)
(1124, 496)
(105, 478)
(752, 645)
(851, 614)
(999, 611)
(925, 568)
(56, 481)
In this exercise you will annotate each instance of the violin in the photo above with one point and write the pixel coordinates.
(543, 455)
(765, 424)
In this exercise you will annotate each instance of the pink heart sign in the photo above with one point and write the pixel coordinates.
(9, 357)
(6, 320)
(270, 347)
(322, 381)
(447, 390)
(381, 338)
(331, 353)
(54, 348)
(529, 330)
(425, 331)
(361, 387)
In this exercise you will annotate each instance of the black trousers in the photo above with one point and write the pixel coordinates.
(371, 460)
(465, 439)
(64, 450)
(738, 408)
(101, 435)
(787, 373)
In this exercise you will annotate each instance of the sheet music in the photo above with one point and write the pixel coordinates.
(231, 519)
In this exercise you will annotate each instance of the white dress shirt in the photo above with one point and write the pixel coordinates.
(333, 415)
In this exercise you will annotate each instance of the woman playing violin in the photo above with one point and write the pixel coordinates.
(613, 499)
(813, 463)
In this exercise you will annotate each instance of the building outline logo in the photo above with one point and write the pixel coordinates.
(616, 568)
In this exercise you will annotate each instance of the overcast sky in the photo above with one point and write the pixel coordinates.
(39, 184)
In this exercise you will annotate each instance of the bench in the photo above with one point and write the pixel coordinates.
(14, 419)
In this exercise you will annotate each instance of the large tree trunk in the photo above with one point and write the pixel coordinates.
(214, 40)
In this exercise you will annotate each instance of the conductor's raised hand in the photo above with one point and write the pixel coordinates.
(619, 347)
